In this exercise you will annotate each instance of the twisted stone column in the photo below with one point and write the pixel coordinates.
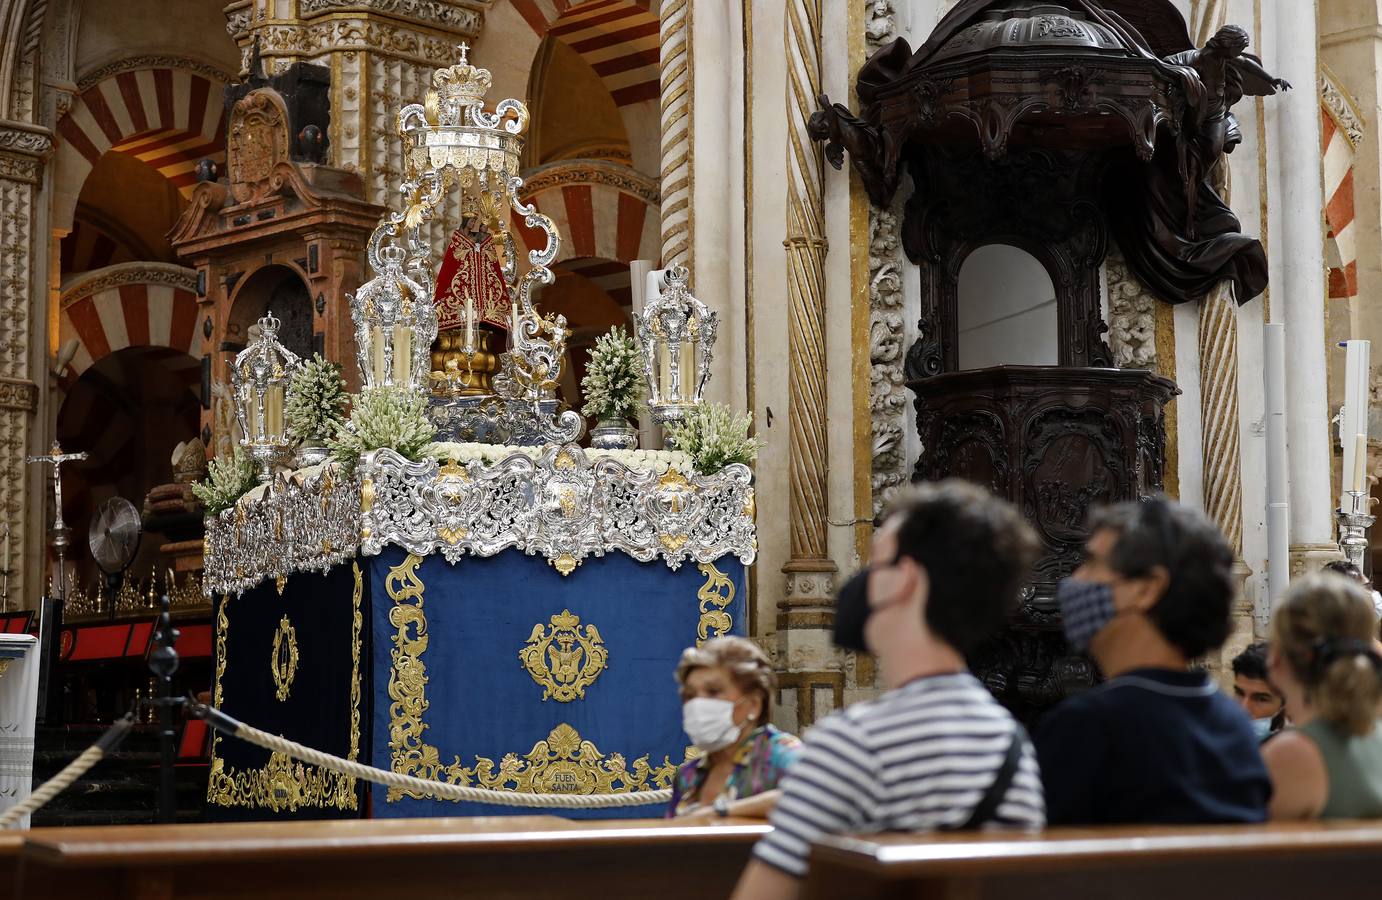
(676, 78)
(809, 568)
(1223, 478)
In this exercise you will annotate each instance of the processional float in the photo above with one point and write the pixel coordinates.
(505, 608)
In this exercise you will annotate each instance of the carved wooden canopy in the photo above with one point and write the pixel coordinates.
(1055, 75)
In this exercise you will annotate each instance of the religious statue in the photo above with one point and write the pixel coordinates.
(474, 311)
(1176, 230)
(471, 278)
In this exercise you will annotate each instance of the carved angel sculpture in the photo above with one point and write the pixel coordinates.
(1177, 232)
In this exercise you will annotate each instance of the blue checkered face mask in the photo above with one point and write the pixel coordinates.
(1085, 608)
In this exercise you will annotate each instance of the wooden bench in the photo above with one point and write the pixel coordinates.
(1334, 860)
(548, 857)
(416, 859)
(11, 843)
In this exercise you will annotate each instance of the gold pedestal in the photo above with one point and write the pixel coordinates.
(456, 374)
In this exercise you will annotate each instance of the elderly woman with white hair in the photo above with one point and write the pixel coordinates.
(726, 691)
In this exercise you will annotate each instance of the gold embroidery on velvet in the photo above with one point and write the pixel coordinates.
(563, 660)
(563, 763)
(283, 785)
(283, 662)
(715, 597)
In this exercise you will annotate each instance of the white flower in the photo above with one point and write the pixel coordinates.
(657, 461)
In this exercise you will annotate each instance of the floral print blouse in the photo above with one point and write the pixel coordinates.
(762, 758)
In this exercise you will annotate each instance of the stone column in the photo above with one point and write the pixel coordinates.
(678, 82)
(1298, 290)
(23, 149)
(1220, 445)
(810, 582)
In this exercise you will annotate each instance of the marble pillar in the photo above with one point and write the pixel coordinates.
(1298, 288)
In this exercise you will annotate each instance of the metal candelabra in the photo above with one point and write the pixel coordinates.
(163, 662)
(1354, 522)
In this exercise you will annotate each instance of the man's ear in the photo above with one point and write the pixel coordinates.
(922, 585)
(1150, 588)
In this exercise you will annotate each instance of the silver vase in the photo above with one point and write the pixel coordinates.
(310, 456)
(613, 434)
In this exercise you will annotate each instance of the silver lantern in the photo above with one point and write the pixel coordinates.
(395, 324)
(676, 333)
(260, 377)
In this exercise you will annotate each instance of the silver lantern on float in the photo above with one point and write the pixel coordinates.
(259, 378)
(676, 334)
(395, 324)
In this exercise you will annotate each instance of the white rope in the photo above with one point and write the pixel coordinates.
(53, 786)
(437, 789)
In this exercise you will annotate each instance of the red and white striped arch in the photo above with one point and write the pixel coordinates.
(618, 38)
(168, 118)
(129, 305)
(1339, 207)
(594, 220)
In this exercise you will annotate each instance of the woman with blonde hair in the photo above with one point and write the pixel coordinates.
(726, 691)
(1324, 660)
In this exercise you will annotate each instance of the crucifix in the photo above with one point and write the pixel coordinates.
(60, 530)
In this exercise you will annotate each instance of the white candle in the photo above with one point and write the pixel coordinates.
(469, 324)
(1360, 462)
(402, 354)
(7, 548)
(1353, 419)
(273, 412)
(376, 346)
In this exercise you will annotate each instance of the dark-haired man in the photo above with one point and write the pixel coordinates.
(935, 751)
(1158, 741)
(1255, 694)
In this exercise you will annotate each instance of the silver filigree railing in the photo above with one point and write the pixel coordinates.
(563, 505)
(304, 521)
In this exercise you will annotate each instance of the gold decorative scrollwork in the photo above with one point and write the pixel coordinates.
(715, 597)
(282, 785)
(563, 763)
(284, 661)
(562, 660)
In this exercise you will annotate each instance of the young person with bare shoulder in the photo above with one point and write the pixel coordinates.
(1324, 660)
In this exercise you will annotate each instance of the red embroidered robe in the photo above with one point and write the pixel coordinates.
(471, 269)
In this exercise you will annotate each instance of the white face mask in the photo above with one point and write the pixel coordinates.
(709, 722)
(1263, 727)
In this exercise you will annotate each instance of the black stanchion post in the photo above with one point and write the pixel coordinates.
(163, 661)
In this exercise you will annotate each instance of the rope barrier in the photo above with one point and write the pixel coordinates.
(70, 773)
(410, 784)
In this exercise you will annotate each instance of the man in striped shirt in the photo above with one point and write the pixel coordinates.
(935, 751)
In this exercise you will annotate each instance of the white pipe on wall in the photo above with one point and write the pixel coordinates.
(1278, 482)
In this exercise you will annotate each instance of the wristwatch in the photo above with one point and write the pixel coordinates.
(721, 806)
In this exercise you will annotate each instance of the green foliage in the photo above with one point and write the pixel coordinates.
(715, 437)
(613, 382)
(379, 418)
(227, 480)
(316, 404)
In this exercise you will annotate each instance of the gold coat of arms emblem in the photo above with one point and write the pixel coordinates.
(564, 657)
(284, 662)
